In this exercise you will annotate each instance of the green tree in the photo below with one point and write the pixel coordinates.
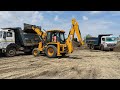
(87, 36)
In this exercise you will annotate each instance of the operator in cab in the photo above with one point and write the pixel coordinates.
(54, 38)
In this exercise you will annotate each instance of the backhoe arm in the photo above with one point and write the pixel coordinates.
(42, 36)
(77, 30)
(39, 32)
(69, 41)
(74, 28)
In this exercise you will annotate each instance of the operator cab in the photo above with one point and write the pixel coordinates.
(109, 39)
(4, 33)
(56, 36)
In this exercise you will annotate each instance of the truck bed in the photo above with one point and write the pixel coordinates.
(30, 39)
(92, 40)
(25, 39)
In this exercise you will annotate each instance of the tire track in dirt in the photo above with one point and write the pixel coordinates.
(82, 64)
(26, 70)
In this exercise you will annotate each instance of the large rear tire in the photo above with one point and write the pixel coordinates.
(51, 51)
(10, 52)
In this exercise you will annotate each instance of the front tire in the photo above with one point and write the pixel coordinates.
(35, 52)
(10, 52)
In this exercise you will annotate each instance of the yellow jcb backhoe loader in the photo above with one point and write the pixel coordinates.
(53, 42)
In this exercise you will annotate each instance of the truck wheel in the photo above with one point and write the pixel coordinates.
(35, 52)
(10, 52)
(51, 51)
(92, 47)
(102, 48)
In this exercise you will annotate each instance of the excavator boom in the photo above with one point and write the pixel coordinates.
(77, 30)
(74, 28)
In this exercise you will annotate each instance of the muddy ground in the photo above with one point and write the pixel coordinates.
(81, 64)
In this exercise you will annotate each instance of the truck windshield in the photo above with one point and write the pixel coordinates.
(0, 34)
(111, 39)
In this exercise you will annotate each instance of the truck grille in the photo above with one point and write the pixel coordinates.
(111, 45)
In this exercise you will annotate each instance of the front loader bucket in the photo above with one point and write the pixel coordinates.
(28, 28)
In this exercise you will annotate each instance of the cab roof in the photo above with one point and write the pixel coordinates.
(56, 31)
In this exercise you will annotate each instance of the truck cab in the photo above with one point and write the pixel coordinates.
(6, 37)
(108, 42)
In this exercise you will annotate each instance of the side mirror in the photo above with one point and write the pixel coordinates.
(4, 35)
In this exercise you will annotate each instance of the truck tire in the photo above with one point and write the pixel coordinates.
(35, 52)
(92, 47)
(51, 51)
(10, 52)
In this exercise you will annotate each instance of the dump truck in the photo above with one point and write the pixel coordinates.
(102, 42)
(53, 42)
(15, 39)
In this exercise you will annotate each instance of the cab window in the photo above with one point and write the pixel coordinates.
(48, 37)
(9, 34)
(103, 39)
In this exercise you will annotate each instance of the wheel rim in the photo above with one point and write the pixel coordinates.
(35, 52)
(50, 51)
(11, 52)
(92, 47)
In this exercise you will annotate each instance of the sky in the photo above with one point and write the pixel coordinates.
(90, 22)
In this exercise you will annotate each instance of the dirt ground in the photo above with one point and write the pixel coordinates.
(81, 64)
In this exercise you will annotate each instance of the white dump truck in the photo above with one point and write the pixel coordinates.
(15, 39)
(103, 42)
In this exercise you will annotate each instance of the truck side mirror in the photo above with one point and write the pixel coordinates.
(4, 35)
(103, 39)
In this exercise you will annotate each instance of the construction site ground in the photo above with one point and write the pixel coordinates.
(81, 64)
